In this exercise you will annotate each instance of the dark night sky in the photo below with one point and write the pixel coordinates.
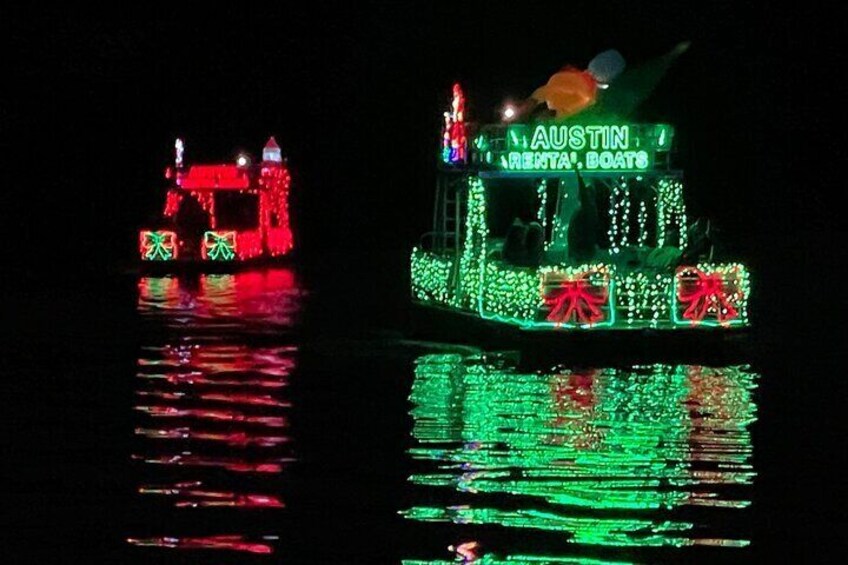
(92, 100)
(355, 94)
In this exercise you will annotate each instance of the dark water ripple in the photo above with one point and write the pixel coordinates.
(505, 464)
(212, 426)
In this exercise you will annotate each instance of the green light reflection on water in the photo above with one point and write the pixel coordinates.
(596, 454)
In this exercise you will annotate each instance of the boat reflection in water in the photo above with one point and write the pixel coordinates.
(264, 300)
(647, 457)
(212, 424)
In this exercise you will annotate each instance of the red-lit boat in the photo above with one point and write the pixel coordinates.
(222, 214)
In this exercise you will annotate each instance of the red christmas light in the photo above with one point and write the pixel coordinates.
(172, 203)
(703, 294)
(274, 209)
(207, 202)
(249, 244)
(577, 299)
(213, 176)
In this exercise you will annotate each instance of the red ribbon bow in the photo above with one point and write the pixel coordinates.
(577, 298)
(703, 294)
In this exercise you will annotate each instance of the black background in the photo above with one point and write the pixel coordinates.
(92, 100)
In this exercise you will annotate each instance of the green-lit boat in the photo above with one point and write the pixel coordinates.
(574, 223)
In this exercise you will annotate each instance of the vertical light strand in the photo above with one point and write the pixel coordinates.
(671, 212)
(473, 258)
(542, 194)
(612, 232)
(642, 221)
(625, 213)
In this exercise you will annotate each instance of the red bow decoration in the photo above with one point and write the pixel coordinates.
(703, 293)
(577, 298)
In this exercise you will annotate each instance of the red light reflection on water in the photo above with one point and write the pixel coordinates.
(227, 542)
(235, 464)
(233, 398)
(162, 411)
(197, 378)
(236, 439)
(269, 295)
(192, 495)
(575, 400)
(221, 395)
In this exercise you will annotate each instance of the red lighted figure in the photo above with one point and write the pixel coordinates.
(223, 212)
(454, 140)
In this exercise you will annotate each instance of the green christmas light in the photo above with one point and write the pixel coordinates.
(643, 298)
(474, 248)
(671, 212)
(736, 288)
(516, 295)
(642, 220)
(510, 294)
(542, 197)
(430, 277)
(158, 245)
(219, 246)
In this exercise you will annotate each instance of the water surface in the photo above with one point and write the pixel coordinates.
(211, 409)
(251, 433)
(600, 459)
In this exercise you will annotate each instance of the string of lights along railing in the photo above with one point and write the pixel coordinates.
(561, 218)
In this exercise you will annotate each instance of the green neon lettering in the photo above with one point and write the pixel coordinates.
(620, 137)
(597, 137)
(540, 139)
(577, 137)
(559, 137)
(558, 147)
(514, 161)
(540, 161)
(620, 163)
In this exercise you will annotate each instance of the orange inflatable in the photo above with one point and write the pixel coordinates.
(568, 92)
(572, 90)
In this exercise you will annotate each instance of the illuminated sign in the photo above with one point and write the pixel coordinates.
(557, 147)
